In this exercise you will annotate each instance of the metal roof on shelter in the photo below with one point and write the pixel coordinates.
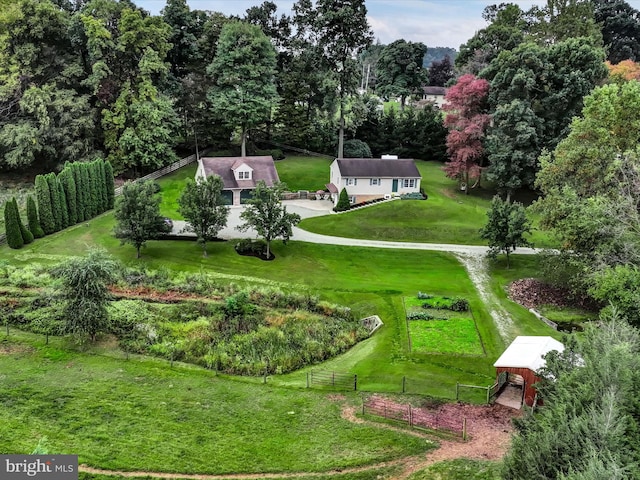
(377, 167)
(527, 352)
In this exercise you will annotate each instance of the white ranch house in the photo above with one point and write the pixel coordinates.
(239, 174)
(373, 178)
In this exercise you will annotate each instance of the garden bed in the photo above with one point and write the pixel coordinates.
(440, 324)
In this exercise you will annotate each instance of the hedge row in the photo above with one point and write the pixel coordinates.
(78, 193)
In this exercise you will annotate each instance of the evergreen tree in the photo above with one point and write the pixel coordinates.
(85, 284)
(56, 207)
(64, 208)
(104, 201)
(12, 228)
(109, 184)
(47, 220)
(69, 185)
(343, 201)
(32, 217)
(80, 191)
(86, 187)
(27, 236)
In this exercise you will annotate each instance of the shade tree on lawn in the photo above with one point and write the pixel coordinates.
(202, 206)
(506, 227)
(267, 216)
(137, 214)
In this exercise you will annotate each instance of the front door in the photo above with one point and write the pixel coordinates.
(394, 186)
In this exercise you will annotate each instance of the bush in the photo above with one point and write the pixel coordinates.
(247, 246)
(343, 202)
(412, 196)
(459, 304)
(356, 149)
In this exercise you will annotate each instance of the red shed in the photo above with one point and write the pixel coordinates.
(523, 358)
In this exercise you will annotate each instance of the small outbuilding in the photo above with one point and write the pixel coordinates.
(522, 359)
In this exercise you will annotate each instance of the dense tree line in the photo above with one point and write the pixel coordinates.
(104, 78)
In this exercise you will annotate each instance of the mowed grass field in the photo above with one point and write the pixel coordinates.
(142, 415)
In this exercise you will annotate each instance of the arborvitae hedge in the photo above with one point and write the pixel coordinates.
(12, 227)
(69, 185)
(56, 207)
(77, 178)
(103, 186)
(64, 208)
(89, 205)
(47, 221)
(32, 217)
(27, 236)
(109, 184)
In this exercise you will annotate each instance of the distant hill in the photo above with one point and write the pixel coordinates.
(436, 54)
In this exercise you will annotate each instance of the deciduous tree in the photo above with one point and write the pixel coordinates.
(506, 227)
(202, 206)
(137, 214)
(466, 119)
(267, 216)
(342, 32)
(244, 90)
(400, 70)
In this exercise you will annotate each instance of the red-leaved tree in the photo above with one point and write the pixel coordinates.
(464, 107)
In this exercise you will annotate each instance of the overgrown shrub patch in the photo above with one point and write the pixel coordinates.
(240, 331)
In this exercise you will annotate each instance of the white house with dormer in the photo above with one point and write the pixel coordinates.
(239, 174)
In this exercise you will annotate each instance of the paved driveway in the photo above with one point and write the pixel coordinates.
(304, 208)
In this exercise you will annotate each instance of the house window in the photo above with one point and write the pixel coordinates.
(409, 183)
(374, 181)
(352, 200)
(352, 182)
(244, 175)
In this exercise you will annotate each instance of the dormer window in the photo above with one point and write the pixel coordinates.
(246, 175)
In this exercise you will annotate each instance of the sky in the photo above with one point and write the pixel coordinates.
(436, 23)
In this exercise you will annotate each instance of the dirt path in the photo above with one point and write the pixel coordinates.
(489, 429)
(476, 266)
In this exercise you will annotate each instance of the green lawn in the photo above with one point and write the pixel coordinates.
(304, 173)
(143, 415)
(370, 281)
(171, 187)
(456, 336)
(448, 216)
(460, 469)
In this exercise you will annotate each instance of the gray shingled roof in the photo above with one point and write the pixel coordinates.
(263, 169)
(378, 168)
(434, 90)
